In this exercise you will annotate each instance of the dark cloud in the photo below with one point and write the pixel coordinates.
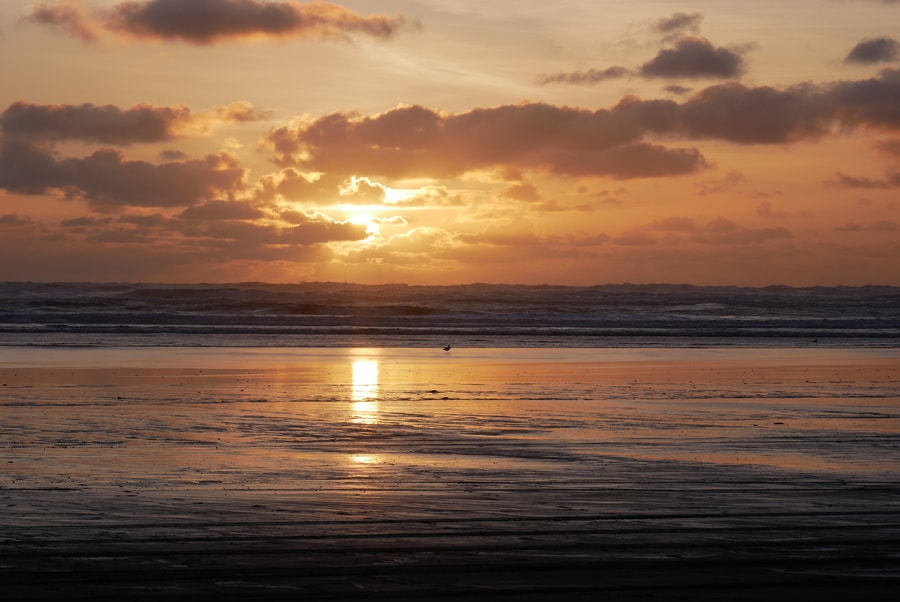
(67, 18)
(871, 102)
(679, 23)
(11, 219)
(882, 226)
(108, 181)
(694, 58)
(144, 221)
(209, 21)
(761, 115)
(690, 58)
(674, 224)
(766, 115)
(415, 141)
(841, 180)
(109, 124)
(889, 147)
(874, 50)
(82, 222)
(618, 142)
(306, 229)
(105, 124)
(523, 191)
(725, 232)
(589, 77)
(172, 155)
(765, 209)
(222, 210)
(677, 90)
(719, 231)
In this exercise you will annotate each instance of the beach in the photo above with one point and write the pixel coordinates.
(356, 473)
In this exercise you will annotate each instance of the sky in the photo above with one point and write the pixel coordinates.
(451, 141)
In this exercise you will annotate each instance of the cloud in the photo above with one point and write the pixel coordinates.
(759, 115)
(841, 180)
(694, 58)
(617, 142)
(222, 210)
(874, 50)
(88, 122)
(588, 78)
(12, 219)
(109, 124)
(691, 58)
(523, 191)
(738, 236)
(765, 209)
(419, 142)
(431, 196)
(731, 180)
(719, 231)
(679, 23)
(407, 249)
(362, 191)
(674, 224)
(204, 22)
(108, 181)
(871, 102)
(882, 226)
(85, 222)
(307, 229)
(292, 185)
(676, 89)
(67, 17)
(889, 147)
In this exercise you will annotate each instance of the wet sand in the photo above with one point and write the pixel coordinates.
(665, 474)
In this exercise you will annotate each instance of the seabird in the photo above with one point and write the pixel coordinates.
(447, 348)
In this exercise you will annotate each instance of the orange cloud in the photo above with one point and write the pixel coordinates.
(204, 22)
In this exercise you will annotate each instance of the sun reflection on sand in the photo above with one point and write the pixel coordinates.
(365, 459)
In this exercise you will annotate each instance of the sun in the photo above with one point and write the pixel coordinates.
(366, 219)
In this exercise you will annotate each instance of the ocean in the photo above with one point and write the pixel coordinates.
(476, 315)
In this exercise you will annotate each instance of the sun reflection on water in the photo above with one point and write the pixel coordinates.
(364, 392)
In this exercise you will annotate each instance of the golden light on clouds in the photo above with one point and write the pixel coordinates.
(510, 143)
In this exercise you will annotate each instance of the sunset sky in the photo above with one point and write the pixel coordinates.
(451, 141)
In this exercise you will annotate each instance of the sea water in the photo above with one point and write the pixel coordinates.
(475, 315)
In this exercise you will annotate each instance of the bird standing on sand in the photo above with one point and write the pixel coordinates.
(447, 348)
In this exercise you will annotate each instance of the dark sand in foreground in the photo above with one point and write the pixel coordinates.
(481, 474)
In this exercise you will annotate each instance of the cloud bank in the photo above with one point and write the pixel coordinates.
(617, 142)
